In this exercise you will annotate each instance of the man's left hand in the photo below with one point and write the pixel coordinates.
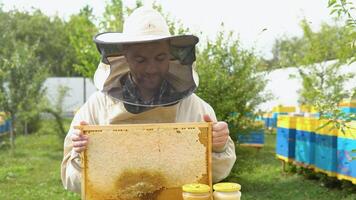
(220, 134)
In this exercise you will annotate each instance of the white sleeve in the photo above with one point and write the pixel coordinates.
(224, 160)
(71, 163)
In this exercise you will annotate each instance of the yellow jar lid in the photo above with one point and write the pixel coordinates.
(227, 187)
(196, 188)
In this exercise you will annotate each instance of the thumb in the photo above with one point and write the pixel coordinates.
(82, 123)
(207, 118)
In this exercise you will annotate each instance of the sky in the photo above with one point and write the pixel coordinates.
(247, 18)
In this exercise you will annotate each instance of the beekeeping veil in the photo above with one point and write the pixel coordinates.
(145, 25)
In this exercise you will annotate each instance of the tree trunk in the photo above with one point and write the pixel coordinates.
(12, 132)
(59, 120)
(25, 128)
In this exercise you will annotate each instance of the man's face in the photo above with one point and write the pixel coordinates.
(148, 63)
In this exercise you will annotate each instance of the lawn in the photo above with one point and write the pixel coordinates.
(32, 171)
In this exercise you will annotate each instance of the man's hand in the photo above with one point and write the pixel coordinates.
(80, 141)
(220, 134)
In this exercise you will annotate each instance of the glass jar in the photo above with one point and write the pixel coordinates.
(227, 191)
(196, 191)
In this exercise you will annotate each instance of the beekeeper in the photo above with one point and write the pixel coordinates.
(146, 75)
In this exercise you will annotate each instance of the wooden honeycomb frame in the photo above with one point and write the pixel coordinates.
(167, 170)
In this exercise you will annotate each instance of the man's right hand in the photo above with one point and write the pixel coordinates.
(80, 141)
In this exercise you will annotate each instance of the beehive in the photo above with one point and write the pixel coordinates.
(145, 161)
(326, 147)
(284, 109)
(346, 146)
(286, 131)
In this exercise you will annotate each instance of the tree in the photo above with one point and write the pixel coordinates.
(21, 78)
(56, 110)
(229, 80)
(330, 43)
(113, 17)
(175, 26)
(323, 85)
(81, 31)
(35, 28)
(343, 7)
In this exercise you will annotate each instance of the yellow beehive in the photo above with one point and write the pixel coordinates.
(2, 117)
(349, 104)
(145, 161)
(289, 122)
(308, 109)
(349, 131)
(267, 115)
(284, 109)
(325, 127)
(306, 124)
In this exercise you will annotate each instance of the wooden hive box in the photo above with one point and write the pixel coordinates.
(145, 161)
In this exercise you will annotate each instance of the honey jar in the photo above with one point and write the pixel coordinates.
(227, 191)
(196, 191)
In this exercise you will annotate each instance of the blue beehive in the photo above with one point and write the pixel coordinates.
(285, 146)
(325, 153)
(346, 147)
(254, 138)
(348, 107)
(267, 119)
(272, 123)
(304, 147)
(348, 110)
(326, 147)
(7, 125)
(2, 128)
(305, 141)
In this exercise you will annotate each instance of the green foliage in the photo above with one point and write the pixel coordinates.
(21, 78)
(128, 10)
(347, 9)
(331, 42)
(113, 16)
(55, 109)
(323, 85)
(47, 33)
(287, 51)
(176, 27)
(81, 31)
(229, 81)
(343, 7)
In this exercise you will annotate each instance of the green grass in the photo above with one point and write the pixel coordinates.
(260, 175)
(32, 171)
